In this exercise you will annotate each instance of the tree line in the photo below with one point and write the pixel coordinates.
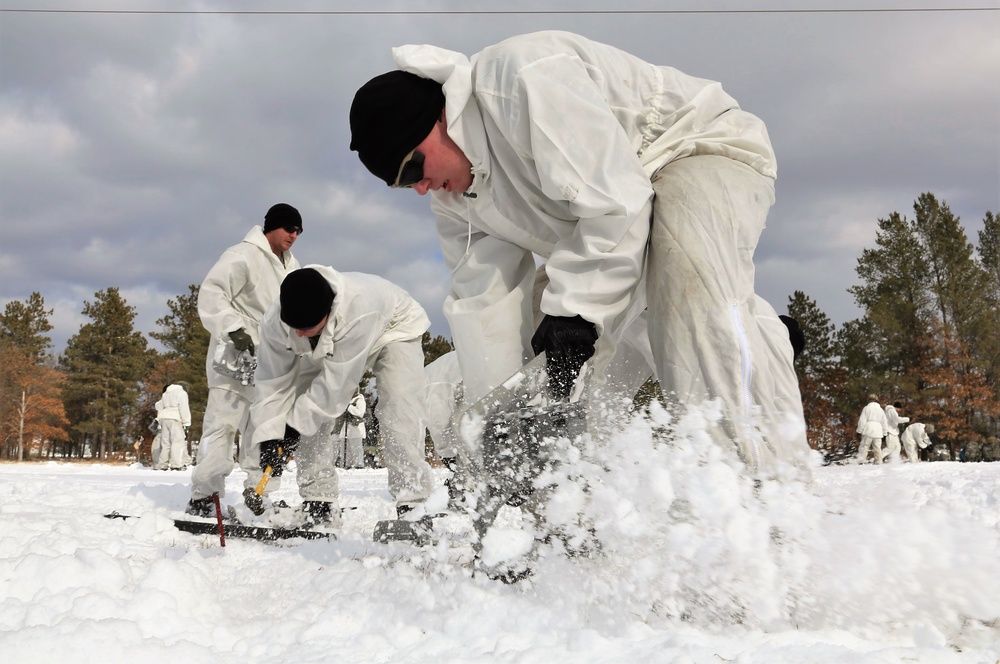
(928, 337)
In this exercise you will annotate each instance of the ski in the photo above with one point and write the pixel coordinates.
(238, 530)
(244, 531)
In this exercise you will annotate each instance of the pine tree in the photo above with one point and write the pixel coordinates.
(928, 335)
(186, 340)
(105, 362)
(435, 347)
(24, 325)
(894, 296)
(957, 282)
(989, 252)
(989, 348)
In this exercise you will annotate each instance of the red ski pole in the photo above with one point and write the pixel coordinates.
(218, 519)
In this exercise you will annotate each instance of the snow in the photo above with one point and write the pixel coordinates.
(860, 564)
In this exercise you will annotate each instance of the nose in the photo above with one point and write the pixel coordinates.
(301, 333)
(422, 187)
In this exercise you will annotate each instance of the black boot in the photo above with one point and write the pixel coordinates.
(318, 513)
(203, 507)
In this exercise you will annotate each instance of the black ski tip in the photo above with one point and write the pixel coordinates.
(242, 531)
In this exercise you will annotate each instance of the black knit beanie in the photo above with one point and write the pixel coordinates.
(392, 114)
(306, 297)
(281, 215)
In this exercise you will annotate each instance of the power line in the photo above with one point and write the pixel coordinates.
(482, 12)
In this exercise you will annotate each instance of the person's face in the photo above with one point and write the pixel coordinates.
(282, 239)
(445, 165)
(314, 330)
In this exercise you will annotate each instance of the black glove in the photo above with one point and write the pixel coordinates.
(568, 343)
(186, 429)
(272, 455)
(276, 453)
(291, 439)
(241, 340)
(795, 335)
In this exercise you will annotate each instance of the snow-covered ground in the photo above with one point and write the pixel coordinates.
(864, 564)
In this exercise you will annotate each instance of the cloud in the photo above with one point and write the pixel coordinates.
(138, 147)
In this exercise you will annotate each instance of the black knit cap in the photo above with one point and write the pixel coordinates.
(281, 215)
(392, 114)
(306, 297)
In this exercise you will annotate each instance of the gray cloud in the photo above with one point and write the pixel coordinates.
(136, 148)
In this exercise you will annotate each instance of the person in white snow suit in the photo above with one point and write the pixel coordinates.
(350, 452)
(638, 186)
(326, 329)
(916, 436)
(872, 426)
(893, 419)
(233, 298)
(174, 415)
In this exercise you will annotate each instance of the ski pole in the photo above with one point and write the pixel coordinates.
(218, 519)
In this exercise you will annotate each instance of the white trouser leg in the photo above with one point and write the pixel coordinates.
(877, 450)
(226, 414)
(172, 432)
(178, 447)
(875, 444)
(892, 447)
(317, 474)
(154, 452)
(911, 450)
(711, 336)
(399, 369)
(354, 453)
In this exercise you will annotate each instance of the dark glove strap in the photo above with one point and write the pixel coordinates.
(291, 439)
(568, 342)
(556, 332)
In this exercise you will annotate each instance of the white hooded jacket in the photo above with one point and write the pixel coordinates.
(237, 292)
(872, 423)
(581, 201)
(173, 405)
(308, 388)
(893, 420)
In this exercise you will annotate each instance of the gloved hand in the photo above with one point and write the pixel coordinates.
(241, 340)
(568, 342)
(277, 452)
(186, 429)
(291, 439)
(795, 335)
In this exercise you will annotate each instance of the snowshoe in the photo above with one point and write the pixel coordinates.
(320, 514)
(202, 507)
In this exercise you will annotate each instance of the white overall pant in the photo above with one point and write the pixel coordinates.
(712, 337)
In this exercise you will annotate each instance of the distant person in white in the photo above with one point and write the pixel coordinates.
(352, 454)
(174, 415)
(872, 426)
(893, 420)
(916, 436)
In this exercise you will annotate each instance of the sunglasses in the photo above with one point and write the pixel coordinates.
(411, 171)
(292, 229)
